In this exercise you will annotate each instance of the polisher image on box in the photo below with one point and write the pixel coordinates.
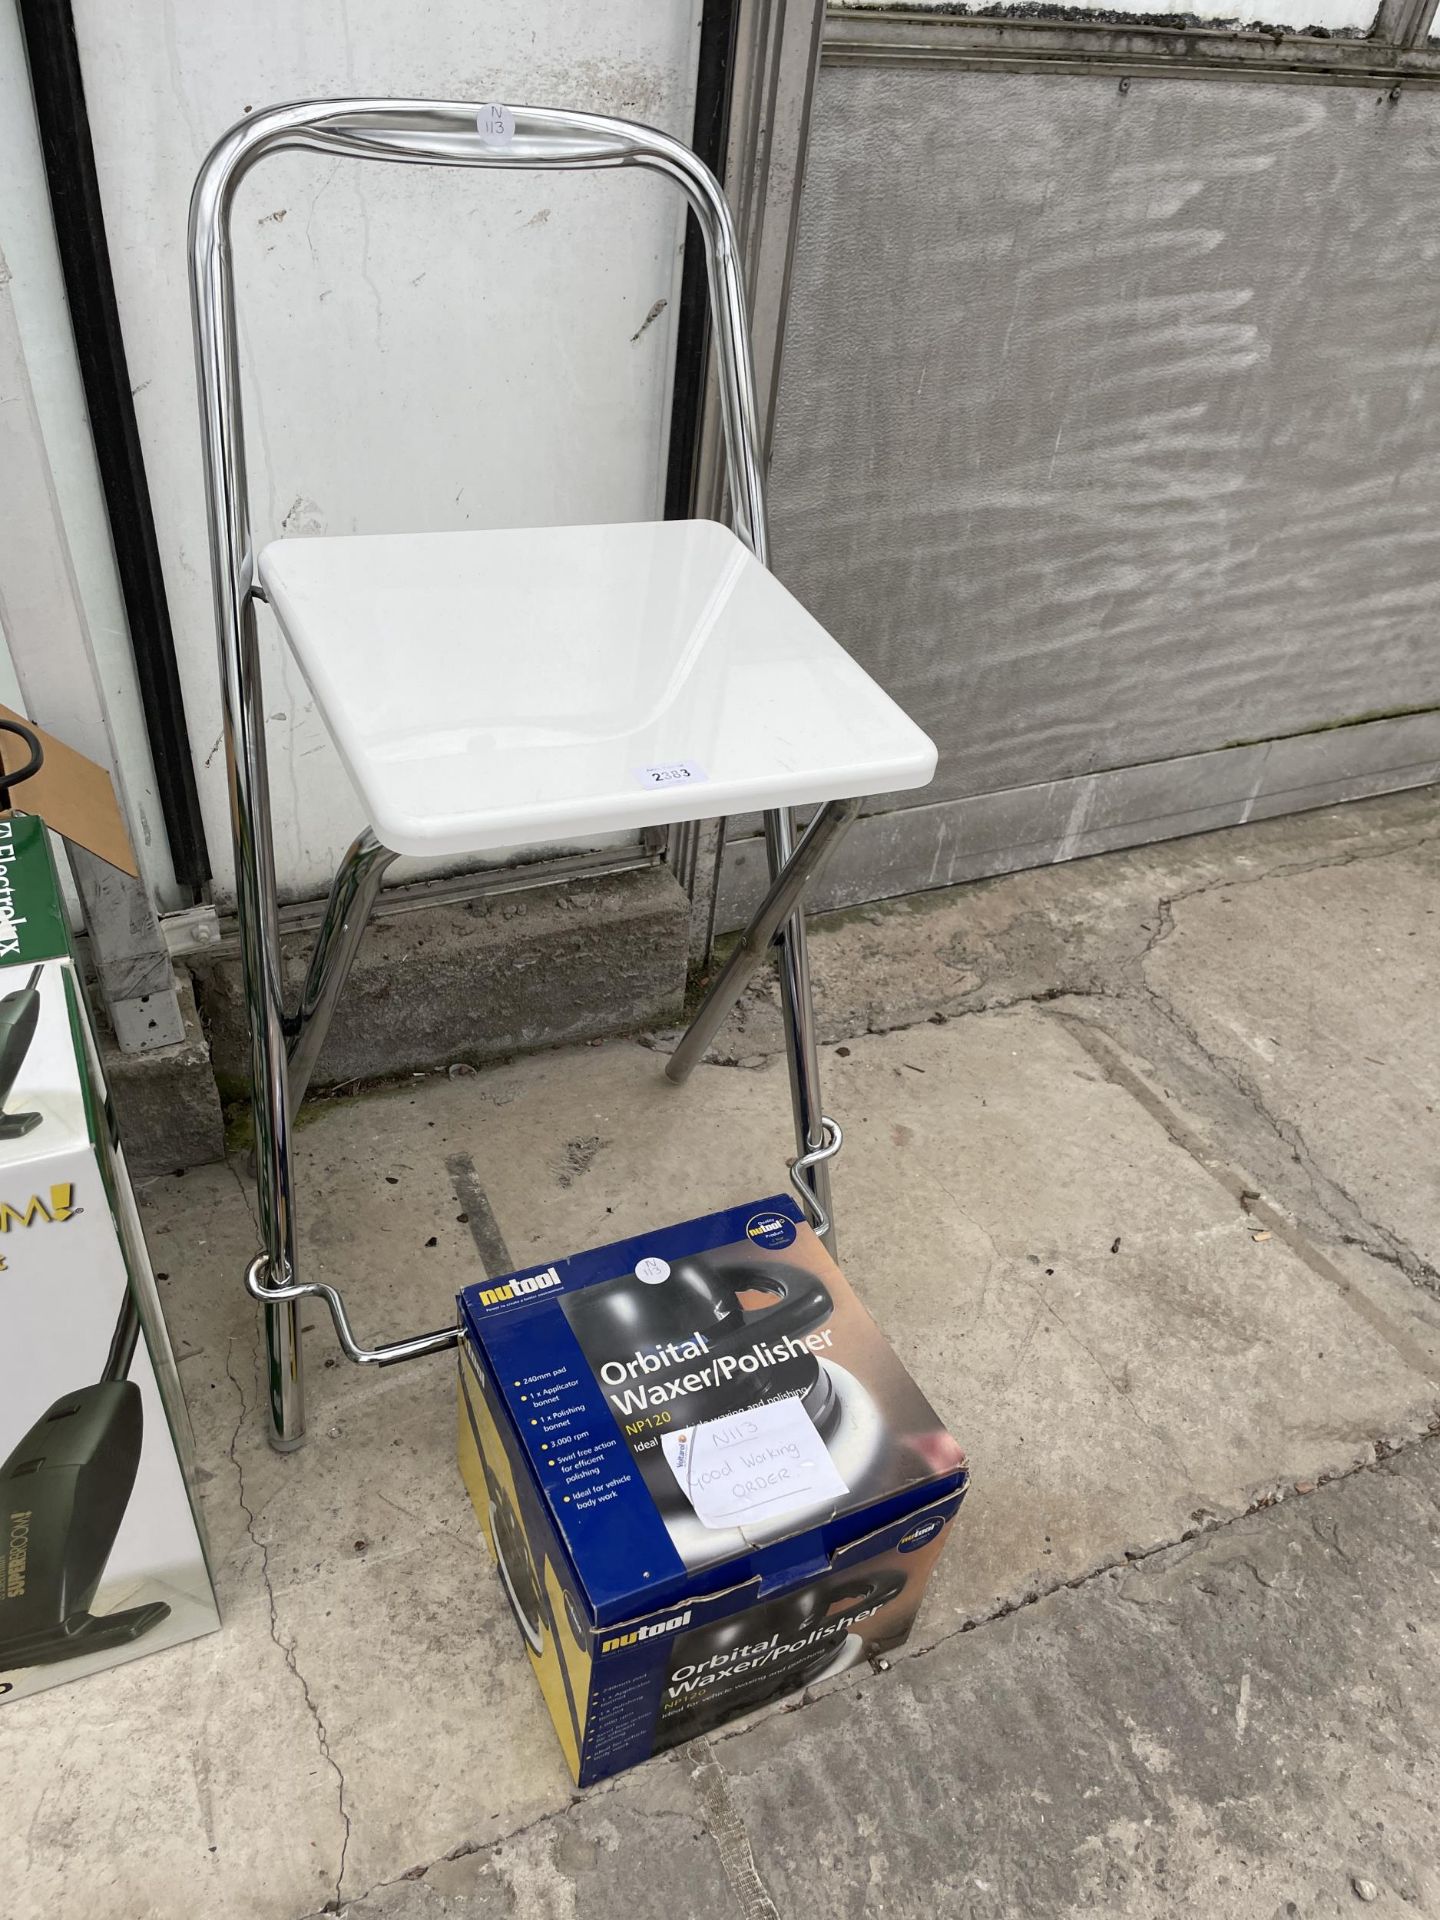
(781, 1646)
(63, 1493)
(742, 1394)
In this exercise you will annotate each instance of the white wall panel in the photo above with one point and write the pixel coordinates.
(423, 347)
(1106, 432)
(37, 291)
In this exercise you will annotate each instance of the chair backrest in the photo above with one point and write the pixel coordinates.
(451, 134)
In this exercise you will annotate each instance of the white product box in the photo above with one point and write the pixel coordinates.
(102, 1557)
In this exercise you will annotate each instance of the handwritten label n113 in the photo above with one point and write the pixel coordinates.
(495, 125)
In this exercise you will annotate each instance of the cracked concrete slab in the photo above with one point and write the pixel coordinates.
(1314, 990)
(1111, 1400)
(1051, 1198)
(1240, 1727)
(648, 1853)
(1074, 929)
(433, 1722)
(1090, 1311)
(188, 1782)
(1317, 903)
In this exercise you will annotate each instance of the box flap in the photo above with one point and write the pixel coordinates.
(69, 793)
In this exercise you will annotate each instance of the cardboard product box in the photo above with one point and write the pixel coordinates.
(101, 1555)
(706, 1478)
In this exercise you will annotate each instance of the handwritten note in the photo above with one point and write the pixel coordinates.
(753, 1466)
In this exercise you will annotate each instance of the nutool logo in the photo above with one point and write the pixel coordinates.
(645, 1633)
(518, 1288)
(62, 1207)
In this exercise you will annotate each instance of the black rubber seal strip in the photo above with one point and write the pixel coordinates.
(719, 24)
(64, 126)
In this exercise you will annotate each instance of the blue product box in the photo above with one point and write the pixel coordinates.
(705, 1475)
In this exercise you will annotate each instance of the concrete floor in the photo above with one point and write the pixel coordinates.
(1140, 1178)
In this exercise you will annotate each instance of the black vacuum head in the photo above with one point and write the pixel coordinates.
(19, 1017)
(63, 1494)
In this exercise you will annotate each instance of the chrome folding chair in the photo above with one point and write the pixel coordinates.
(665, 676)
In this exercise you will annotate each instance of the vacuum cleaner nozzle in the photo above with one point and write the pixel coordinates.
(19, 1017)
(63, 1494)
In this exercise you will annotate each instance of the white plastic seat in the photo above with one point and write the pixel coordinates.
(549, 684)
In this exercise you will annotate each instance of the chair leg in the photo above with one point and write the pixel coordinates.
(781, 903)
(347, 912)
(780, 916)
(281, 1075)
(281, 1082)
(274, 1180)
(257, 915)
(797, 1006)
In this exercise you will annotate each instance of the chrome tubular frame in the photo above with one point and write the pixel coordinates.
(786, 891)
(284, 1047)
(352, 895)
